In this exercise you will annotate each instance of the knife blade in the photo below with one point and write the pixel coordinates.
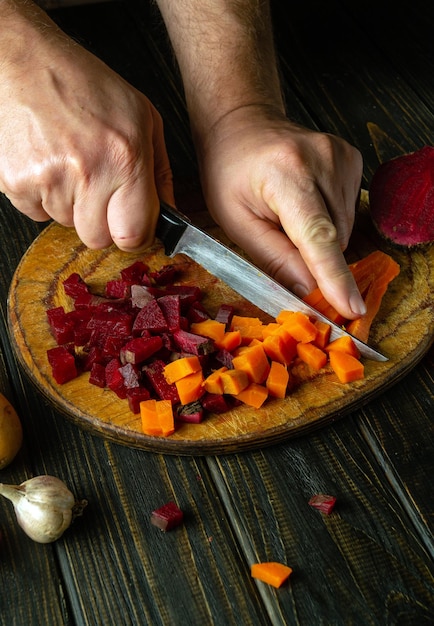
(179, 235)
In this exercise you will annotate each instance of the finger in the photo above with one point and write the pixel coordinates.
(162, 170)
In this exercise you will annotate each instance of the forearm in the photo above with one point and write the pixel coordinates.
(226, 56)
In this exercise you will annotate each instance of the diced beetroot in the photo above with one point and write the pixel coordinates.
(75, 286)
(166, 275)
(118, 289)
(225, 314)
(401, 198)
(61, 326)
(171, 307)
(167, 517)
(62, 363)
(139, 349)
(191, 343)
(224, 357)
(135, 396)
(192, 413)
(111, 322)
(197, 313)
(150, 318)
(155, 375)
(97, 375)
(114, 378)
(134, 273)
(93, 356)
(140, 295)
(323, 503)
(113, 345)
(131, 375)
(216, 403)
(187, 294)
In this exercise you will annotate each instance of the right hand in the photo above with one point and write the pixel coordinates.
(79, 144)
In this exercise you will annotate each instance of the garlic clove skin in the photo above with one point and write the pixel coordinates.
(44, 507)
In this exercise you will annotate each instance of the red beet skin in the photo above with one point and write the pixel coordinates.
(401, 198)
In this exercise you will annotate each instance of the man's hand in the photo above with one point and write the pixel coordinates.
(287, 196)
(79, 144)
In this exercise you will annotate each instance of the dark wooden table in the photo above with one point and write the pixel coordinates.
(362, 70)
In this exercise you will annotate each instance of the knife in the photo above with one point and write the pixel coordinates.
(179, 235)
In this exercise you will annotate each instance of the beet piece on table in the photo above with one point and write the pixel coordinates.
(63, 365)
(150, 317)
(139, 349)
(191, 343)
(154, 372)
(167, 517)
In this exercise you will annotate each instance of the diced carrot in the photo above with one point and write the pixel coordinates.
(213, 382)
(253, 395)
(280, 347)
(277, 380)
(299, 326)
(272, 573)
(230, 340)
(323, 334)
(190, 388)
(239, 321)
(157, 417)
(234, 381)
(346, 367)
(269, 329)
(180, 368)
(209, 328)
(343, 344)
(314, 298)
(313, 356)
(149, 417)
(254, 363)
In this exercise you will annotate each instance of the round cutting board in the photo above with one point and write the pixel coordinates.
(403, 331)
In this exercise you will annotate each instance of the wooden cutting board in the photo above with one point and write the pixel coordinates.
(403, 331)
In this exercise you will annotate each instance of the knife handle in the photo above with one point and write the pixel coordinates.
(170, 227)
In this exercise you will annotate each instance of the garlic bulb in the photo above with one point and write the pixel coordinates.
(44, 507)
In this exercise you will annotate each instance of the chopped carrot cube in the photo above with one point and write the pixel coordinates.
(190, 388)
(346, 367)
(313, 356)
(180, 368)
(209, 328)
(277, 380)
(253, 395)
(271, 573)
(323, 334)
(344, 344)
(213, 383)
(299, 326)
(234, 381)
(230, 340)
(254, 362)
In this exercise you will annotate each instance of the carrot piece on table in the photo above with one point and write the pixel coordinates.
(346, 367)
(234, 381)
(343, 344)
(253, 395)
(209, 328)
(230, 340)
(254, 362)
(213, 382)
(323, 334)
(190, 388)
(314, 298)
(298, 325)
(180, 368)
(270, 329)
(249, 327)
(272, 573)
(277, 380)
(165, 417)
(313, 356)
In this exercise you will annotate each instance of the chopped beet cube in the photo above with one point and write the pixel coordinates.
(62, 363)
(192, 413)
(134, 273)
(197, 313)
(150, 318)
(113, 345)
(187, 294)
(225, 314)
(190, 343)
(75, 286)
(93, 356)
(167, 517)
(166, 275)
(216, 403)
(224, 357)
(61, 325)
(131, 375)
(323, 503)
(140, 296)
(171, 307)
(155, 374)
(140, 349)
(97, 375)
(136, 395)
(114, 378)
(118, 289)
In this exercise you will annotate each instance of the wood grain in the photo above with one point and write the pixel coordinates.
(403, 331)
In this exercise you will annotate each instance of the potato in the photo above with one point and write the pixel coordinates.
(11, 432)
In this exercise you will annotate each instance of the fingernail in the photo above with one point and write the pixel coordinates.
(357, 304)
(300, 290)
